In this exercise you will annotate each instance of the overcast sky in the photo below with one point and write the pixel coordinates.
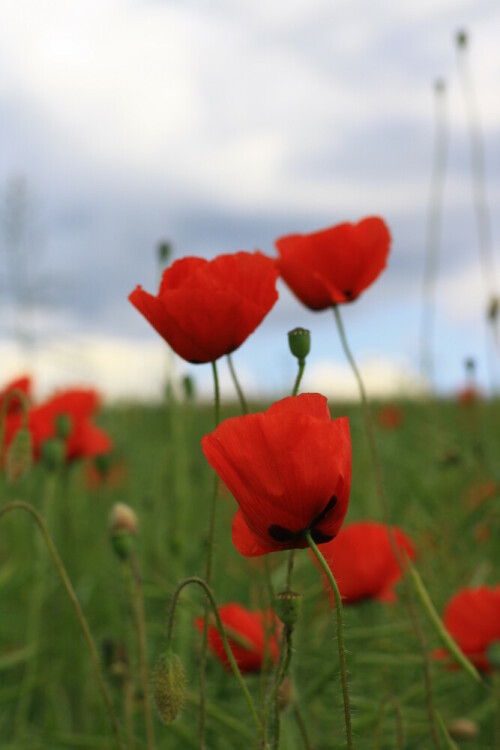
(221, 126)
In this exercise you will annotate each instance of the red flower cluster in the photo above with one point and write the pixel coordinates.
(249, 635)
(289, 470)
(206, 309)
(472, 617)
(363, 562)
(334, 265)
(84, 439)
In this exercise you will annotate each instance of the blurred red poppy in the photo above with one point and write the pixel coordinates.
(289, 470)
(249, 635)
(469, 395)
(83, 440)
(363, 562)
(390, 417)
(472, 617)
(20, 384)
(334, 265)
(206, 309)
(110, 475)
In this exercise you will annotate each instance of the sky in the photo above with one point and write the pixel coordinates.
(219, 127)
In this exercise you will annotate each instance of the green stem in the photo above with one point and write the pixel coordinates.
(208, 570)
(272, 706)
(20, 505)
(35, 613)
(239, 391)
(140, 621)
(302, 727)
(229, 653)
(340, 636)
(302, 367)
(379, 483)
(399, 722)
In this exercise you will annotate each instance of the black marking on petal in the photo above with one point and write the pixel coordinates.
(321, 516)
(319, 537)
(348, 293)
(282, 534)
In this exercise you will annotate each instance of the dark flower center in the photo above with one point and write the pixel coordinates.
(284, 536)
(348, 294)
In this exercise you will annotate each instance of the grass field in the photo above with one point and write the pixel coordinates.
(435, 465)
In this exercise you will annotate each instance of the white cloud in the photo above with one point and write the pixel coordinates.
(383, 378)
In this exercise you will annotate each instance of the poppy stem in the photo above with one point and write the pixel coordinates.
(140, 623)
(448, 642)
(20, 505)
(35, 611)
(211, 603)
(272, 702)
(239, 390)
(208, 569)
(379, 483)
(340, 635)
(302, 367)
(302, 727)
(399, 721)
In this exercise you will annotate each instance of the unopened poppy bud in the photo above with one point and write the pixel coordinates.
(164, 251)
(19, 456)
(188, 386)
(287, 605)
(463, 729)
(122, 528)
(461, 38)
(493, 306)
(63, 426)
(169, 686)
(299, 341)
(494, 655)
(53, 453)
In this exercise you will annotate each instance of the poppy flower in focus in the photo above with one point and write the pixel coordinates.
(20, 384)
(334, 265)
(472, 617)
(390, 417)
(363, 562)
(206, 309)
(289, 470)
(249, 635)
(84, 439)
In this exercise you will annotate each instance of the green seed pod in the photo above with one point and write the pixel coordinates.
(493, 654)
(64, 425)
(299, 341)
(287, 605)
(19, 456)
(53, 453)
(164, 251)
(461, 38)
(122, 529)
(169, 686)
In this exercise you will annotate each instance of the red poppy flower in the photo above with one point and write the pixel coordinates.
(363, 562)
(249, 635)
(206, 309)
(20, 384)
(469, 395)
(390, 417)
(334, 265)
(472, 617)
(84, 439)
(289, 470)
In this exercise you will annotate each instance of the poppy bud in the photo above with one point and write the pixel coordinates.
(19, 456)
(493, 307)
(461, 39)
(439, 86)
(169, 686)
(299, 341)
(463, 729)
(53, 453)
(287, 605)
(122, 528)
(493, 653)
(164, 251)
(188, 386)
(63, 426)
(102, 463)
